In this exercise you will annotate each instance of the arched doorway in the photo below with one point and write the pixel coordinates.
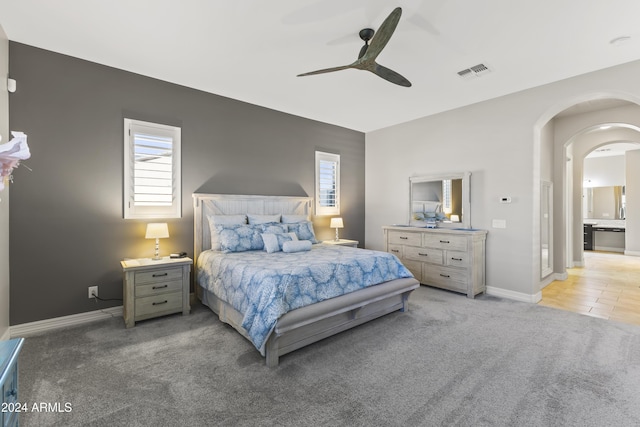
(575, 132)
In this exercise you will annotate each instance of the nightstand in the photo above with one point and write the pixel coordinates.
(155, 288)
(11, 406)
(342, 242)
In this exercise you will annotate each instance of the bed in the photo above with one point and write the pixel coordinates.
(376, 285)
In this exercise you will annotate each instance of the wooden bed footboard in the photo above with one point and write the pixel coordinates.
(292, 335)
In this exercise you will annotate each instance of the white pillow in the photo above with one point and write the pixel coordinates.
(263, 219)
(222, 220)
(273, 241)
(296, 246)
(292, 219)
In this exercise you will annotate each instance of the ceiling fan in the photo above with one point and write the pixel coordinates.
(370, 51)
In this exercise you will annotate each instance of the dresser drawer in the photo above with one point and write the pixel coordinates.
(158, 288)
(430, 255)
(153, 305)
(403, 238)
(456, 259)
(445, 277)
(158, 275)
(446, 241)
(396, 250)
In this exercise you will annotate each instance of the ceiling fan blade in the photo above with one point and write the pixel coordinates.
(390, 75)
(363, 50)
(382, 36)
(325, 70)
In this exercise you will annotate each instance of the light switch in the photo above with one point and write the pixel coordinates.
(499, 223)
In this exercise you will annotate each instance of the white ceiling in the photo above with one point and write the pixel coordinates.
(252, 50)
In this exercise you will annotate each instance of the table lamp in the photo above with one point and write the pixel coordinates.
(157, 230)
(336, 223)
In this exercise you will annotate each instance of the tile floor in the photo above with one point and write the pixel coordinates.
(607, 287)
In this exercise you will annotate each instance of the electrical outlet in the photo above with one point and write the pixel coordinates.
(93, 291)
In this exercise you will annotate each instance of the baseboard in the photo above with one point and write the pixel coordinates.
(632, 253)
(608, 249)
(517, 296)
(32, 328)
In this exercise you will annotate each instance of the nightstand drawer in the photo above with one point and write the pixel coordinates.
(153, 305)
(158, 275)
(158, 288)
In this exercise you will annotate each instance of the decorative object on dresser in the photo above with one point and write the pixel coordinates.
(342, 242)
(445, 258)
(153, 288)
(337, 224)
(157, 230)
(297, 321)
(11, 406)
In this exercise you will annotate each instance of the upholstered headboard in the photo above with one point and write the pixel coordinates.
(233, 204)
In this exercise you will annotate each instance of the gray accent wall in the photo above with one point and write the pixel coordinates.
(67, 228)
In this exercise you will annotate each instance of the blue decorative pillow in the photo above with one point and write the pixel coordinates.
(304, 231)
(296, 246)
(221, 220)
(239, 237)
(273, 241)
(273, 227)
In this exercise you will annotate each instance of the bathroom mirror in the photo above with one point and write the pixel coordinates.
(440, 200)
(604, 202)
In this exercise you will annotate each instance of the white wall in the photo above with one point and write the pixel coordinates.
(604, 171)
(499, 141)
(4, 195)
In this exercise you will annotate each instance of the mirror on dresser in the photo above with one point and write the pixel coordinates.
(441, 200)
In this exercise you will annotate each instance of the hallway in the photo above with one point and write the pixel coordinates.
(608, 287)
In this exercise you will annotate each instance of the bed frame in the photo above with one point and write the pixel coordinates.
(304, 325)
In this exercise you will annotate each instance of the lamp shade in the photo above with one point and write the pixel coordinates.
(336, 223)
(157, 230)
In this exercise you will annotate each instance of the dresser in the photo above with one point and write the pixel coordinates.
(444, 258)
(153, 288)
(11, 407)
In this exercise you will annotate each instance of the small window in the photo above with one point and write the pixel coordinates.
(151, 170)
(327, 183)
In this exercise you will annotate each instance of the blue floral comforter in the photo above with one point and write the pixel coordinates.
(265, 286)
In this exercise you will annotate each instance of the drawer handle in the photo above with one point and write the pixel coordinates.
(160, 274)
(445, 275)
(160, 287)
(421, 254)
(395, 250)
(404, 238)
(456, 259)
(444, 241)
(160, 303)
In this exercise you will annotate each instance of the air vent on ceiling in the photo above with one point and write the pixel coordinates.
(476, 70)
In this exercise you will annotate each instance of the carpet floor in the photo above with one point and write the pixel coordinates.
(449, 360)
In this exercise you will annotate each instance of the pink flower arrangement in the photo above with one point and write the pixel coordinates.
(10, 155)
